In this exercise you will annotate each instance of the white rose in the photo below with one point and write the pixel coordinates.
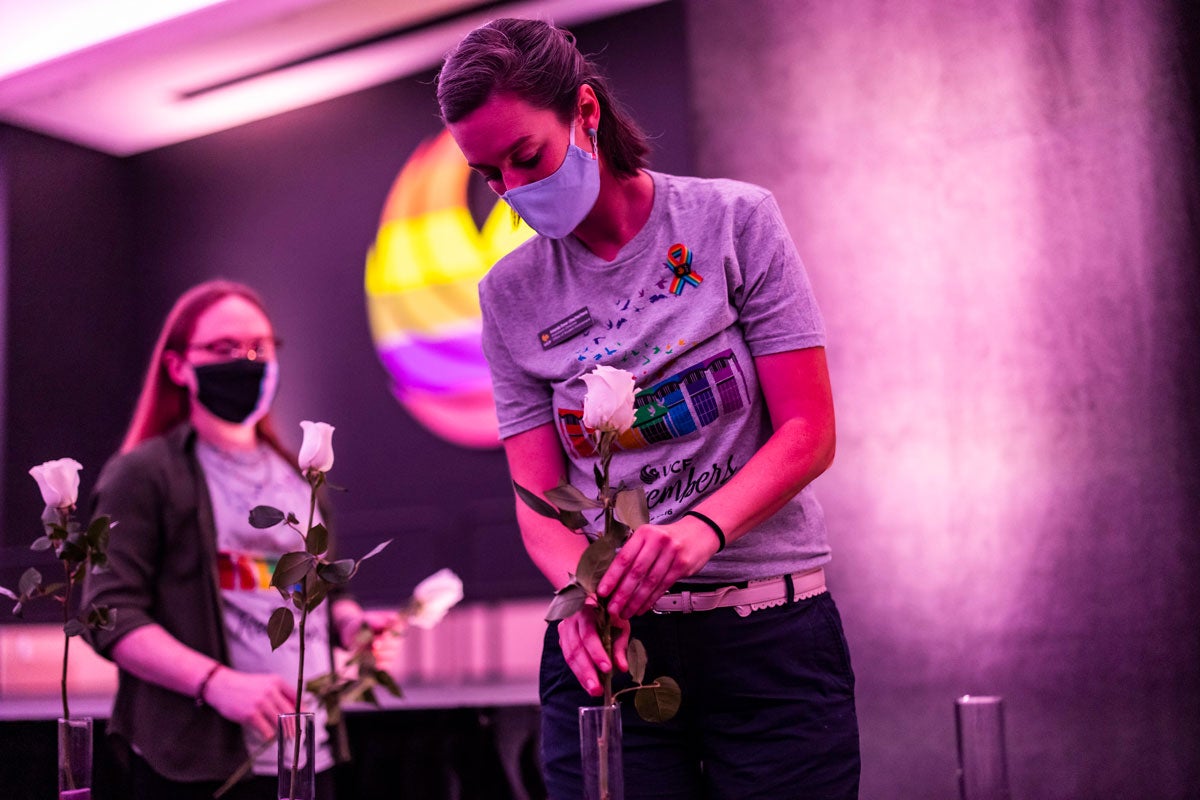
(434, 596)
(608, 404)
(316, 452)
(59, 482)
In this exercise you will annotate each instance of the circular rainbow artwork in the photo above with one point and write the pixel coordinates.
(422, 278)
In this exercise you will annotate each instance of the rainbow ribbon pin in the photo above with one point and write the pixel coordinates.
(679, 260)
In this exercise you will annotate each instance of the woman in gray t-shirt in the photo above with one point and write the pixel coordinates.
(694, 287)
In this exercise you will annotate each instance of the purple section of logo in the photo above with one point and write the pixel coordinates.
(441, 365)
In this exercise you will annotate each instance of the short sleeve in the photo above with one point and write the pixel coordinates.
(522, 400)
(774, 299)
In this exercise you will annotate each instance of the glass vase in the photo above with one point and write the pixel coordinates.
(600, 749)
(297, 756)
(75, 758)
(982, 761)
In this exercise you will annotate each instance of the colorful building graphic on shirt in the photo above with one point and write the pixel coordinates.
(673, 408)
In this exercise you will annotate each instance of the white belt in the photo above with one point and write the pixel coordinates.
(757, 594)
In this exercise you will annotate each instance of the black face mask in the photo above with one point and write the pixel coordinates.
(234, 390)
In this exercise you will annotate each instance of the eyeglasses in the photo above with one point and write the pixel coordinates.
(251, 350)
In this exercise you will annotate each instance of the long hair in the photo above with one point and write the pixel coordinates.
(540, 64)
(163, 404)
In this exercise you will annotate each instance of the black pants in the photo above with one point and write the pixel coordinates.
(768, 709)
(146, 784)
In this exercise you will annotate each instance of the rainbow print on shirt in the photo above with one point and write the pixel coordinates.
(675, 407)
(242, 572)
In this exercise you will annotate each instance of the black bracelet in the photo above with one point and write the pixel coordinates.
(715, 527)
(200, 701)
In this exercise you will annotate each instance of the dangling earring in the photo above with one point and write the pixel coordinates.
(591, 134)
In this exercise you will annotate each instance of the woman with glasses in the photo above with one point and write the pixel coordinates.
(189, 578)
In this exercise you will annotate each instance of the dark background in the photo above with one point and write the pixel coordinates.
(101, 247)
(998, 207)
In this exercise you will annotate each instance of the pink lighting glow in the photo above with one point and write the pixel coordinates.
(34, 33)
(994, 202)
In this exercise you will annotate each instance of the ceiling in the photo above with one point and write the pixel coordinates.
(125, 76)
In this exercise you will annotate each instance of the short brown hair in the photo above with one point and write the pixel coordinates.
(540, 64)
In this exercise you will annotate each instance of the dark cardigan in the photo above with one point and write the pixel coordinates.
(163, 570)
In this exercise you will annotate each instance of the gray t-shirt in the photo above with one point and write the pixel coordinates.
(246, 558)
(711, 281)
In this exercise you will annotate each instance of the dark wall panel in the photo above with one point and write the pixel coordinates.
(997, 204)
(73, 338)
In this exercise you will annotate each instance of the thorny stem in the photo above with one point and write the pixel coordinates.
(65, 744)
(605, 624)
(312, 510)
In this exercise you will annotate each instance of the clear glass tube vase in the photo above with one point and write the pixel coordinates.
(296, 738)
(982, 760)
(600, 749)
(75, 758)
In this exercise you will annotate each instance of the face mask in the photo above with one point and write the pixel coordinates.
(555, 205)
(238, 391)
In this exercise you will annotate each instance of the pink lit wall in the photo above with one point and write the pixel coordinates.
(997, 205)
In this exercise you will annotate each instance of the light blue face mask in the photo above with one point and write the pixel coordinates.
(555, 205)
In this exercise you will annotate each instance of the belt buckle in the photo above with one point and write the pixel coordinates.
(680, 603)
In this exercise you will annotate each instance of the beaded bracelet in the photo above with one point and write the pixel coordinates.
(715, 527)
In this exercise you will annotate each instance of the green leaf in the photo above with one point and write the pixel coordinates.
(659, 701)
(599, 473)
(98, 560)
(31, 579)
(635, 653)
(388, 682)
(573, 520)
(617, 532)
(536, 503)
(632, 508)
(41, 543)
(101, 618)
(291, 569)
(266, 516)
(566, 602)
(376, 550)
(595, 562)
(607, 438)
(292, 519)
(317, 541)
(97, 534)
(338, 572)
(568, 498)
(74, 549)
(73, 627)
(9, 594)
(279, 626)
(317, 592)
(321, 684)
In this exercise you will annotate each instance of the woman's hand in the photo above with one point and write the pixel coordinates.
(386, 629)
(584, 651)
(654, 558)
(248, 698)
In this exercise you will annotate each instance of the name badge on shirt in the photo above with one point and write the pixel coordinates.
(566, 328)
